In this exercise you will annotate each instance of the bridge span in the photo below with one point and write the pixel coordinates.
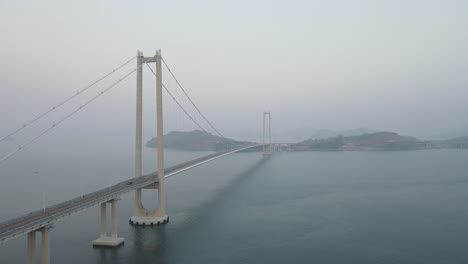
(42, 218)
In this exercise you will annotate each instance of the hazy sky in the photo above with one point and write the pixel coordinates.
(388, 65)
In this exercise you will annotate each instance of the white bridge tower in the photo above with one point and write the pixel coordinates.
(142, 216)
(267, 133)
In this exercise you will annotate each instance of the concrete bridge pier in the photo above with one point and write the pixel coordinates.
(143, 216)
(45, 254)
(104, 240)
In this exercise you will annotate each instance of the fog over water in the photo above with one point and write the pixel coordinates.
(320, 67)
(385, 65)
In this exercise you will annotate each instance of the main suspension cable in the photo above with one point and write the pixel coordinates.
(185, 111)
(190, 99)
(177, 102)
(2, 161)
(65, 101)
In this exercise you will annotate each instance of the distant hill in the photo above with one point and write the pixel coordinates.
(194, 141)
(370, 141)
(322, 133)
(202, 141)
(299, 134)
(451, 134)
(326, 133)
(384, 141)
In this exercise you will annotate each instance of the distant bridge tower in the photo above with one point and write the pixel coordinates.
(141, 215)
(267, 150)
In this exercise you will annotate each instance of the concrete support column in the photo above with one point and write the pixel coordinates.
(114, 219)
(138, 125)
(31, 247)
(264, 132)
(139, 115)
(45, 246)
(269, 130)
(103, 220)
(161, 211)
(104, 240)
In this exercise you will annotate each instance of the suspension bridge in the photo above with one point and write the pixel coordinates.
(40, 221)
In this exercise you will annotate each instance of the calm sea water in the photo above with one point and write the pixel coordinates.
(307, 207)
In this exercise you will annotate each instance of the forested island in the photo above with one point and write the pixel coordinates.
(202, 141)
(379, 141)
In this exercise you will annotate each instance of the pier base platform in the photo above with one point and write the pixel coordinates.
(108, 242)
(149, 220)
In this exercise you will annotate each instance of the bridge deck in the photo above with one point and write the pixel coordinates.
(40, 218)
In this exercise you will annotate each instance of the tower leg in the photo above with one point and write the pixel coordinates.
(264, 131)
(45, 245)
(114, 220)
(161, 211)
(269, 131)
(139, 125)
(31, 247)
(103, 221)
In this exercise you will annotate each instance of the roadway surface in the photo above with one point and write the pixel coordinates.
(37, 219)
